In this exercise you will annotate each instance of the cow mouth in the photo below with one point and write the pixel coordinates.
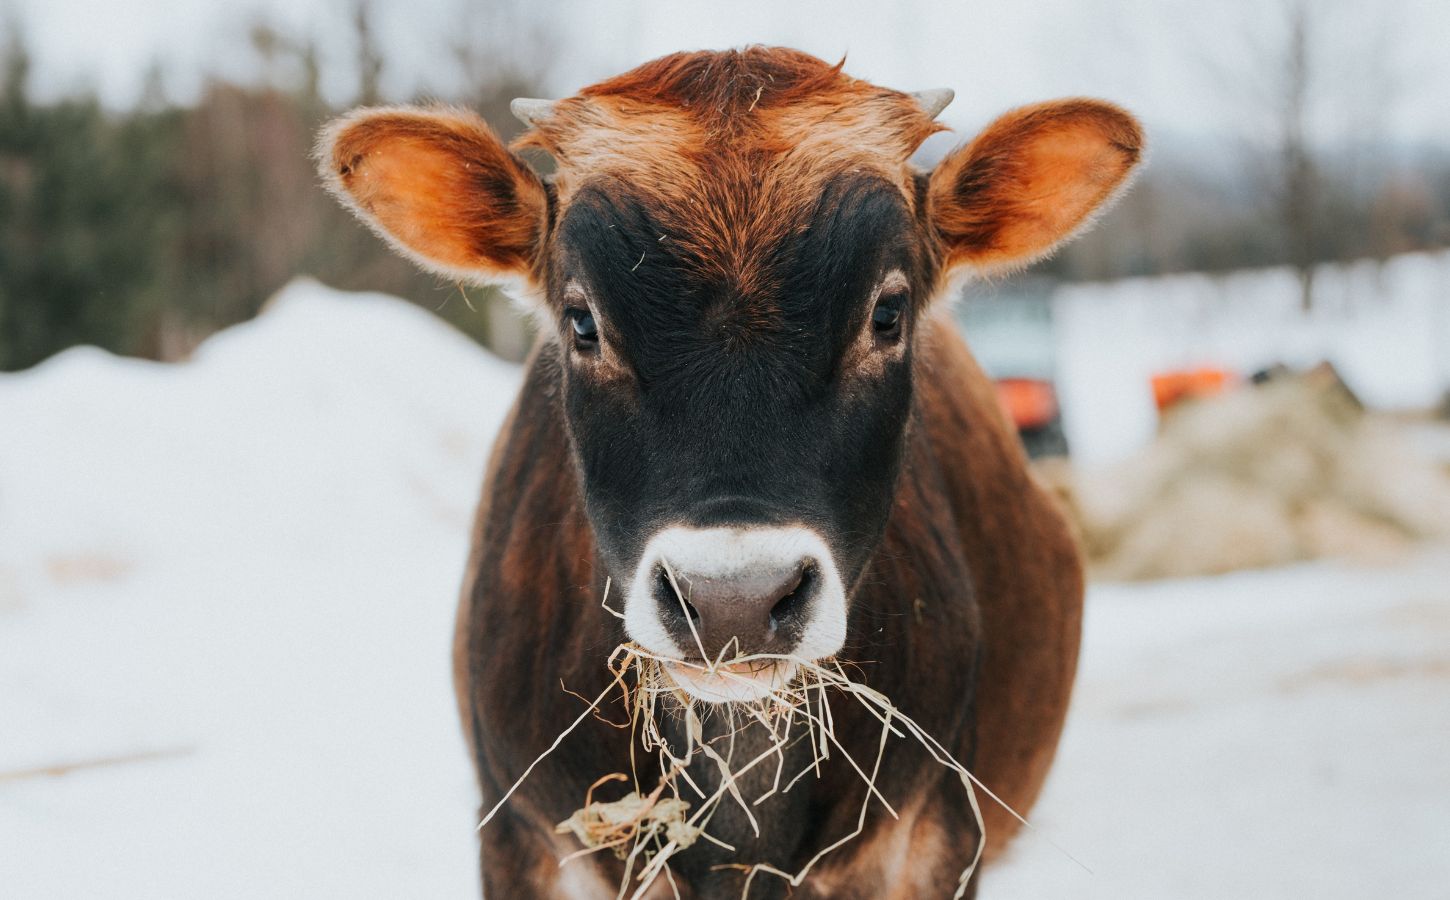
(741, 682)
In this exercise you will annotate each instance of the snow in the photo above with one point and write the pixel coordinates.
(1385, 326)
(248, 563)
(250, 559)
(1268, 734)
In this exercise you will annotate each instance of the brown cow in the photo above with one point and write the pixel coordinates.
(744, 381)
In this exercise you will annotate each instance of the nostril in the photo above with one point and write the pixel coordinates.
(672, 598)
(795, 599)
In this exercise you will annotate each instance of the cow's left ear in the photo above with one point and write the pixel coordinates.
(1030, 181)
(440, 187)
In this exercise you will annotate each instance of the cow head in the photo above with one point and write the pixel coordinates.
(734, 260)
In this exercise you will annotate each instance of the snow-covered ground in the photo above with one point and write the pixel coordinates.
(1277, 734)
(227, 587)
(248, 563)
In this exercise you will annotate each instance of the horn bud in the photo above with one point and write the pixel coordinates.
(932, 101)
(529, 110)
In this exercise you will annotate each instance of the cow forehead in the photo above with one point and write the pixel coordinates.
(621, 241)
(732, 150)
(745, 122)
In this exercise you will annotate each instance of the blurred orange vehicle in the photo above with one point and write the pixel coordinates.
(1030, 403)
(1170, 388)
(1012, 336)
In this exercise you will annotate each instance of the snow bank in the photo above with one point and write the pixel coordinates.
(248, 562)
(370, 407)
(1385, 327)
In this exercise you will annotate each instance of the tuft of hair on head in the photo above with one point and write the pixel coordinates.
(718, 102)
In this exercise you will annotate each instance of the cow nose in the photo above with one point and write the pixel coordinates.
(760, 610)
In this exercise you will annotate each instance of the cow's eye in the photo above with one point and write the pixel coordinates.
(886, 318)
(581, 322)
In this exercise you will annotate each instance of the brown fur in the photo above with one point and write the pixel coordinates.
(970, 610)
(1026, 564)
(734, 146)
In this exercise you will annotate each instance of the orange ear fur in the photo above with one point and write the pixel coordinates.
(1030, 181)
(440, 187)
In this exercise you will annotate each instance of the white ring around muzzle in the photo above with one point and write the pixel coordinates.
(726, 552)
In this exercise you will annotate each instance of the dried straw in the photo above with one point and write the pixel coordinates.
(646, 830)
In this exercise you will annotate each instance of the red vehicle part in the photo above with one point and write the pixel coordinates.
(1176, 386)
(1029, 403)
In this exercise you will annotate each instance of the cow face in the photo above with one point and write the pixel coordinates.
(739, 434)
(734, 260)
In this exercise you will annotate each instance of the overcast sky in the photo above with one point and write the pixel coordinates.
(1189, 68)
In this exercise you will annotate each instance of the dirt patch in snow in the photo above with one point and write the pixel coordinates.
(1366, 671)
(86, 568)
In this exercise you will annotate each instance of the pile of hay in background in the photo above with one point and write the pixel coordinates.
(1288, 470)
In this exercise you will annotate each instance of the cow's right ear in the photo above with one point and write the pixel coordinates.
(441, 188)
(1030, 181)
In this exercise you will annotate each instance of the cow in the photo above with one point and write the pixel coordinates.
(747, 381)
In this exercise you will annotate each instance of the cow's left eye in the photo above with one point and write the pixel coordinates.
(586, 333)
(886, 319)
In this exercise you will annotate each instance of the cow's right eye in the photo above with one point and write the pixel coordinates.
(886, 318)
(581, 322)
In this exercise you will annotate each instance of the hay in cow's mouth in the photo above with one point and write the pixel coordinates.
(646, 829)
(740, 682)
